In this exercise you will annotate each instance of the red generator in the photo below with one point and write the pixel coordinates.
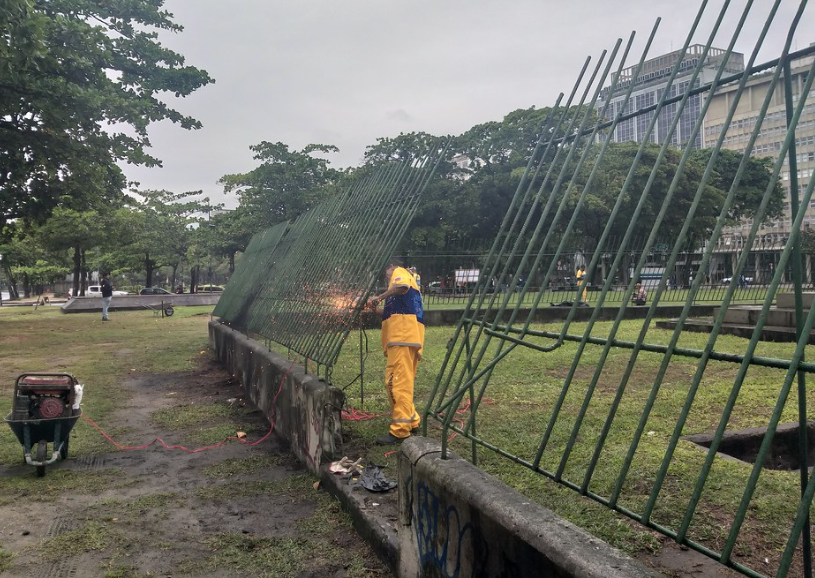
(43, 396)
(43, 413)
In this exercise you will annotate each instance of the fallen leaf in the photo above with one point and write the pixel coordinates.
(241, 435)
(316, 485)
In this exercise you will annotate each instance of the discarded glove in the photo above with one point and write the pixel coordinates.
(345, 467)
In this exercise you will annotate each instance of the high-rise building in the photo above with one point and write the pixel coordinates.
(772, 236)
(650, 86)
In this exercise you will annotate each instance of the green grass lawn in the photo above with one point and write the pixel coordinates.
(99, 354)
(519, 402)
(131, 521)
(518, 409)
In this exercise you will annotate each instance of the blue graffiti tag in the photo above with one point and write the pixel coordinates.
(440, 535)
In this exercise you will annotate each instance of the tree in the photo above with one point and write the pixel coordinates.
(752, 186)
(406, 146)
(76, 231)
(227, 233)
(67, 68)
(20, 252)
(608, 184)
(474, 184)
(285, 185)
(160, 227)
(508, 142)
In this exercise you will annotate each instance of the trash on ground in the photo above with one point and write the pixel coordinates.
(374, 480)
(345, 467)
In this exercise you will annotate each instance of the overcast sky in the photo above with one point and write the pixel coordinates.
(346, 72)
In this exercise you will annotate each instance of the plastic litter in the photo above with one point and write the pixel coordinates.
(374, 480)
(78, 389)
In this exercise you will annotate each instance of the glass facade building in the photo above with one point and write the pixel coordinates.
(651, 84)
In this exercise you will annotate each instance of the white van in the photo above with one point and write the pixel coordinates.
(95, 291)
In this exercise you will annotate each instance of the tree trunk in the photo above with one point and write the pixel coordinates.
(26, 286)
(193, 279)
(13, 293)
(84, 272)
(12, 282)
(173, 285)
(77, 272)
(148, 267)
(231, 262)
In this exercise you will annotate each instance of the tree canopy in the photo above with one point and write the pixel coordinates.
(474, 185)
(602, 195)
(80, 82)
(284, 185)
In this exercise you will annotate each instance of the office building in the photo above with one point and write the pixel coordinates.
(650, 85)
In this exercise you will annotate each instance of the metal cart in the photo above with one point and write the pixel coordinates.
(43, 413)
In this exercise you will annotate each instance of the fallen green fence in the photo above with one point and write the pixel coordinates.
(577, 442)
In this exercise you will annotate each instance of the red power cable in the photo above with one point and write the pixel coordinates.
(462, 410)
(352, 414)
(201, 449)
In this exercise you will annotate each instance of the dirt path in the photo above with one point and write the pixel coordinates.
(233, 511)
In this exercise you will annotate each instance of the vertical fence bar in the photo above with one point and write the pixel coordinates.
(797, 276)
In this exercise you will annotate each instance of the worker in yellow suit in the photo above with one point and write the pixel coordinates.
(580, 275)
(402, 342)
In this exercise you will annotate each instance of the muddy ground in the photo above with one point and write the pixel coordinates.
(232, 511)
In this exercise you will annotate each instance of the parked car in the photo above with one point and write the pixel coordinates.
(745, 281)
(95, 291)
(434, 288)
(154, 291)
(209, 289)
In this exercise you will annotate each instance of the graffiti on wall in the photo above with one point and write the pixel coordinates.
(445, 544)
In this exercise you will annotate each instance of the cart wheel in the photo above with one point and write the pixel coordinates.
(169, 311)
(63, 451)
(42, 450)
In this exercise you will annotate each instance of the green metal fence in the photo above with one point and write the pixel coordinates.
(439, 270)
(250, 276)
(304, 284)
(577, 436)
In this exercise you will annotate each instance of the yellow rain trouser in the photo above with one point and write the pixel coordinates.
(400, 372)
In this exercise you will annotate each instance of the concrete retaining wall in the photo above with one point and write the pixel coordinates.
(305, 410)
(456, 520)
(134, 302)
(787, 300)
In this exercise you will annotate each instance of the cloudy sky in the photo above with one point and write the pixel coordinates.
(346, 72)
